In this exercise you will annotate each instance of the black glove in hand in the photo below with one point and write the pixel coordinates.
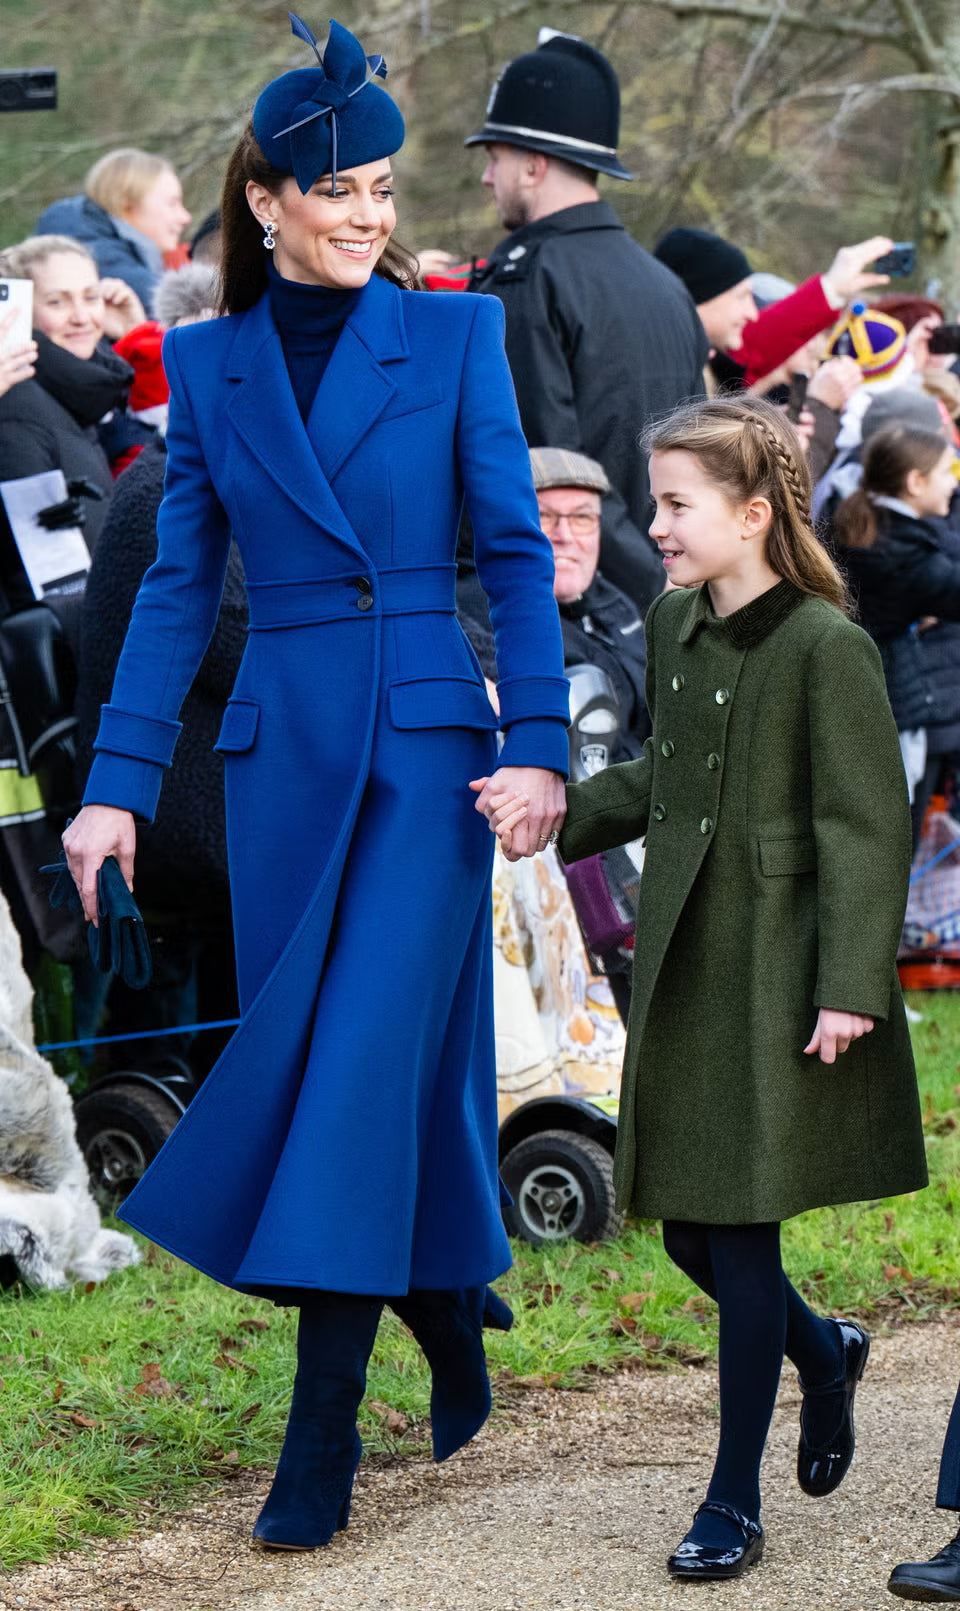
(119, 944)
(57, 516)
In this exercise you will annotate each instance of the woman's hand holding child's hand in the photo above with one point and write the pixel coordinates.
(835, 1031)
(525, 807)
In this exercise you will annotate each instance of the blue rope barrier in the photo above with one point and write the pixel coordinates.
(141, 1034)
(935, 860)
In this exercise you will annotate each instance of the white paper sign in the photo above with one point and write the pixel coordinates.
(56, 562)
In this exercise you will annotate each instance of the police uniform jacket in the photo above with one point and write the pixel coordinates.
(601, 339)
(773, 799)
(347, 1139)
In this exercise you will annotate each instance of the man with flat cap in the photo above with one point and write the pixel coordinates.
(601, 338)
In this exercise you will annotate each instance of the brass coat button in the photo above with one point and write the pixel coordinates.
(713, 761)
(659, 813)
(677, 683)
(722, 695)
(667, 748)
(706, 825)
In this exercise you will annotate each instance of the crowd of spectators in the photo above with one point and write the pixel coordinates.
(603, 335)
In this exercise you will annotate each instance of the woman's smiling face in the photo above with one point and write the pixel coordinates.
(326, 239)
(67, 303)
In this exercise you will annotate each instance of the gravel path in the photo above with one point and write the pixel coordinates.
(571, 1504)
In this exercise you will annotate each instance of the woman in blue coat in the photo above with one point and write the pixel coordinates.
(343, 1152)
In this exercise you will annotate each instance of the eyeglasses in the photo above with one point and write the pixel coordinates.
(578, 525)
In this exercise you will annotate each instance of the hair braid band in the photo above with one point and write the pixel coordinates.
(788, 466)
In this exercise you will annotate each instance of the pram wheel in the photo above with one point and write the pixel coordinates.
(562, 1186)
(121, 1127)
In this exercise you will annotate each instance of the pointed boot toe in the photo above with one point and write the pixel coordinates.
(821, 1467)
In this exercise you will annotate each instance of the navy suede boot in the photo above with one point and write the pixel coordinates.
(310, 1497)
(449, 1329)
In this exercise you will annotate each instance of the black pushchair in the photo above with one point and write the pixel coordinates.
(125, 1114)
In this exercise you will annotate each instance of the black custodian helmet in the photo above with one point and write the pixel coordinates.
(562, 99)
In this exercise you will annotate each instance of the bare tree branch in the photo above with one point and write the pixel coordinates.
(811, 21)
(755, 57)
(916, 24)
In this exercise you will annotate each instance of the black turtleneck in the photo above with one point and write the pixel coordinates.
(309, 319)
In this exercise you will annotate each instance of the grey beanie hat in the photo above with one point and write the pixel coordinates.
(901, 405)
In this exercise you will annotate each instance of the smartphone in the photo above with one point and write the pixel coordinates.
(799, 381)
(945, 338)
(898, 263)
(16, 298)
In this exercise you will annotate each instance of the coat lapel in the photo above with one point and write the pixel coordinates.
(357, 384)
(263, 410)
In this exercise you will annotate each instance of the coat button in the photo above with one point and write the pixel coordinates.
(667, 748)
(706, 825)
(365, 601)
(659, 813)
(363, 584)
(713, 761)
(722, 695)
(677, 683)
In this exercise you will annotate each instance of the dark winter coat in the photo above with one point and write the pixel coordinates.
(602, 628)
(121, 252)
(182, 856)
(774, 802)
(50, 423)
(911, 570)
(347, 1138)
(601, 339)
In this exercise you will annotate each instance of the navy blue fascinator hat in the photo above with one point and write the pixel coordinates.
(315, 120)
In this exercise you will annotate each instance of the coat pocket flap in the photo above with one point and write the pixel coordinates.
(441, 702)
(780, 857)
(239, 726)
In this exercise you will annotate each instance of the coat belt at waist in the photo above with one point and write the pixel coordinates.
(352, 595)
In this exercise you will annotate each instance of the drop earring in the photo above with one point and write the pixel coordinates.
(269, 230)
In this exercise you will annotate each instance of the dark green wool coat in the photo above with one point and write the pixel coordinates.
(773, 798)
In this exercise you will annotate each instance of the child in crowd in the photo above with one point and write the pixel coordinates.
(902, 568)
(773, 893)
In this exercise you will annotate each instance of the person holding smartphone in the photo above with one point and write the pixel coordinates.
(17, 362)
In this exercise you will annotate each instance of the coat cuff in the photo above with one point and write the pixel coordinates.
(524, 698)
(141, 738)
(853, 995)
(539, 741)
(130, 785)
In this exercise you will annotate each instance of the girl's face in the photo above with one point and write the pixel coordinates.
(326, 239)
(930, 492)
(67, 304)
(701, 535)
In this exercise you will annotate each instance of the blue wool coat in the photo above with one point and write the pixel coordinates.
(347, 1137)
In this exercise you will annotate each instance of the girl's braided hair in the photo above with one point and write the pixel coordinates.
(748, 447)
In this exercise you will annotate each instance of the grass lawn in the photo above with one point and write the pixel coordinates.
(138, 1392)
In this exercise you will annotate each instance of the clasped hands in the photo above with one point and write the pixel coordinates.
(524, 806)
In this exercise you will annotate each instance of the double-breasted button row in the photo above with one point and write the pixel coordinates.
(365, 589)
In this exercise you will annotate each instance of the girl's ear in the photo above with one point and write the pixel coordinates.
(757, 518)
(914, 484)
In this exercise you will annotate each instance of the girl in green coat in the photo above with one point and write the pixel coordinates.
(774, 803)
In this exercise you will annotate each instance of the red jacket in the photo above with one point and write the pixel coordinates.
(782, 328)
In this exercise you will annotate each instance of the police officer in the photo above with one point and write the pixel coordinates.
(600, 336)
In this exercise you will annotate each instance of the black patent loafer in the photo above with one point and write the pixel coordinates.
(822, 1467)
(707, 1563)
(936, 1581)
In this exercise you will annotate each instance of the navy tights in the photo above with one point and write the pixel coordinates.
(762, 1317)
